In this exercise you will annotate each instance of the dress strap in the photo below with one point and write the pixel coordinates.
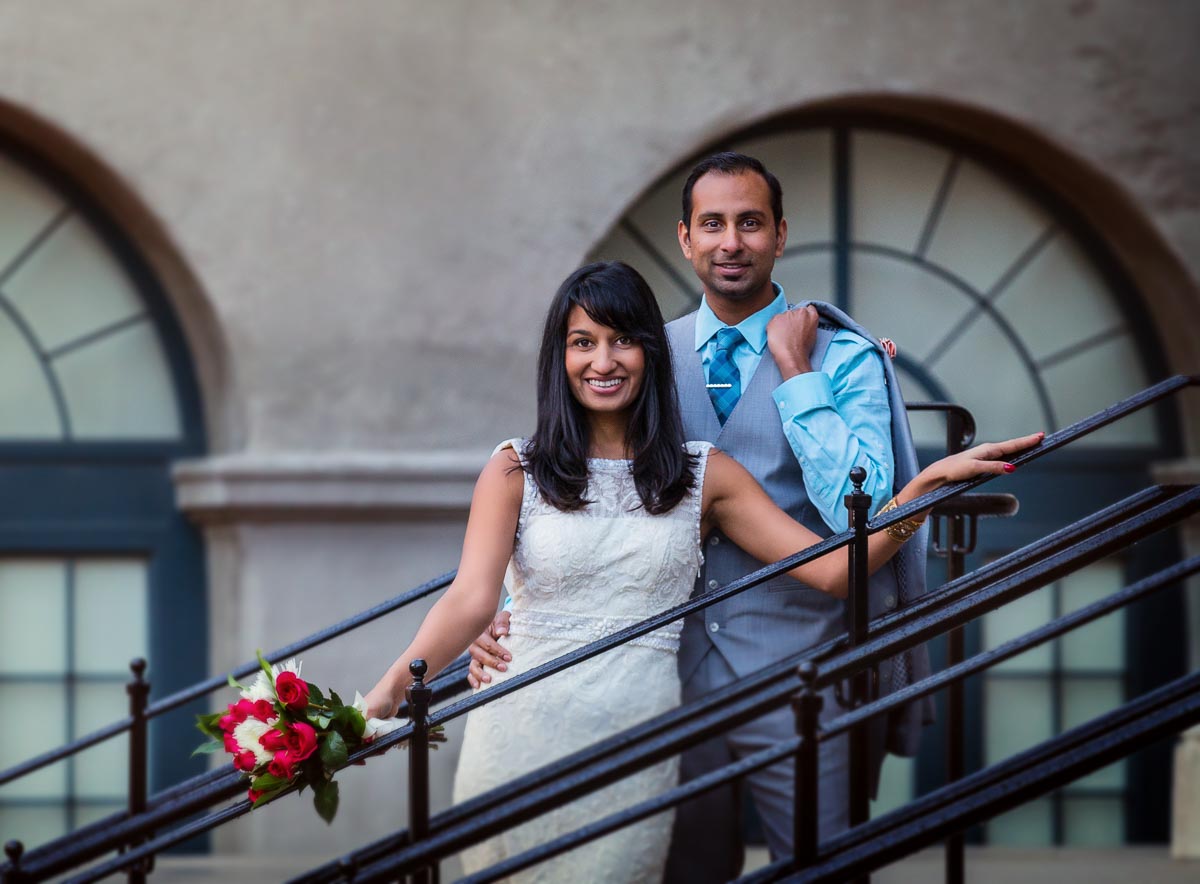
(529, 495)
(517, 444)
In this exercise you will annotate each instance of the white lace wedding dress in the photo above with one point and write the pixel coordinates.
(575, 577)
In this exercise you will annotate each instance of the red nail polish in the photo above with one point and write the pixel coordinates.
(1008, 468)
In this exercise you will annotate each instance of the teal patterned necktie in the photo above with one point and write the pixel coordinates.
(724, 379)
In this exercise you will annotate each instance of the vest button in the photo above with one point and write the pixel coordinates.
(889, 601)
(714, 540)
(712, 584)
(713, 627)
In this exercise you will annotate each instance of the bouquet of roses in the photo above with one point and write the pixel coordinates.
(284, 730)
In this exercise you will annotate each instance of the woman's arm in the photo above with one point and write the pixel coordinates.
(737, 504)
(470, 602)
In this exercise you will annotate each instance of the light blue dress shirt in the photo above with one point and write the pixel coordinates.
(834, 419)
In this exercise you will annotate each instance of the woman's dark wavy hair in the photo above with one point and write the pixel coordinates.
(615, 295)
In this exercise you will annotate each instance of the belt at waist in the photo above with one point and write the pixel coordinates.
(586, 628)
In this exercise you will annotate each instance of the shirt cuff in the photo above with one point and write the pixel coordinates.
(803, 393)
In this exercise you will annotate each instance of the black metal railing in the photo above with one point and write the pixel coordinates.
(867, 644)
(748, 698)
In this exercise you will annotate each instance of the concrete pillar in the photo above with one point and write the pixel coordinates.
(1185, 802)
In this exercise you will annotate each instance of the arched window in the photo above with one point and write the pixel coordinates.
(1000, 299)
(97, 398)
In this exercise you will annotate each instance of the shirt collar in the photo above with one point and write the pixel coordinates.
(753, 327)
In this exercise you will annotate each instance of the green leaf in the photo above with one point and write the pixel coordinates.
(333, 695)
(357, 721)
(267, 796)
(321, 721)
(233, 682)
(266, 667)
(333, 750)
(315, 697)
(210, 748)
(267, 781)
(210, 725)
(313, 769)
(325, 799)
(350, 719)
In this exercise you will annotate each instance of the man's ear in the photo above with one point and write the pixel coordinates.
(780, 237)
(685, 240)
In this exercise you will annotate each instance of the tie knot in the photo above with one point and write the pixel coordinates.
(728, 338)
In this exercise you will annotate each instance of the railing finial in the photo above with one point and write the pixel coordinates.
(807, 670)
(858, 475)
(13, 850)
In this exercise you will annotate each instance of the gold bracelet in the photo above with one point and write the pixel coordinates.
(902, 530)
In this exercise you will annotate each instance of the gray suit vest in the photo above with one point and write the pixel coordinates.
(782, 616)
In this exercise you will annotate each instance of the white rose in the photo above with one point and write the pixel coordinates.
(247, 736)
(261, 689)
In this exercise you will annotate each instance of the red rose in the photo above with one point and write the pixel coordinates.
(273, 740)
(254, 795)
(292, 690)
(238, 712)
(264, 710)
(301, 741)
(280, 766)
(231, 745)
(244, 761)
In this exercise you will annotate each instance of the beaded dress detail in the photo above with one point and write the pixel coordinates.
(575, 577)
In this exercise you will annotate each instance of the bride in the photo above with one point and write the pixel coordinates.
(599, 519)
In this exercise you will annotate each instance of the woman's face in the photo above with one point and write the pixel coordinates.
(605, 367)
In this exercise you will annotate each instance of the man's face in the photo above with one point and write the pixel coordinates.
(733, 241)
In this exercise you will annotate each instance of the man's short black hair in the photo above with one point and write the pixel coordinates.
(731, 163)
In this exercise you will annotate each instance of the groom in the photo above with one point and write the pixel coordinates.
(798, 402)
(798, 397)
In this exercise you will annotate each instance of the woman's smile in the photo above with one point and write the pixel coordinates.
(605, 386)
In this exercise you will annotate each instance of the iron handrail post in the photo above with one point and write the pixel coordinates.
(957, 439)
(805, 793)
(12, 874)
(138, 689)
(419, 697)
(858, 503)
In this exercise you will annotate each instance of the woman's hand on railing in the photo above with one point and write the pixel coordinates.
(989, 458)
(382, 701)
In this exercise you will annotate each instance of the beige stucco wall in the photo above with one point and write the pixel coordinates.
(362, 209)
(379, 195)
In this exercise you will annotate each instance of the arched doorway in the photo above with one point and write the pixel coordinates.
(1001, 298)
(97, 566)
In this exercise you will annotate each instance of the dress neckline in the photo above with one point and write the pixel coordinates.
(611, 463)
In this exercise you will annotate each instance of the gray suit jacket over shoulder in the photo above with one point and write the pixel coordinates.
(782, 616)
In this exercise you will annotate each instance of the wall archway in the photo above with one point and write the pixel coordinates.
(146, 244)
(99, 396)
